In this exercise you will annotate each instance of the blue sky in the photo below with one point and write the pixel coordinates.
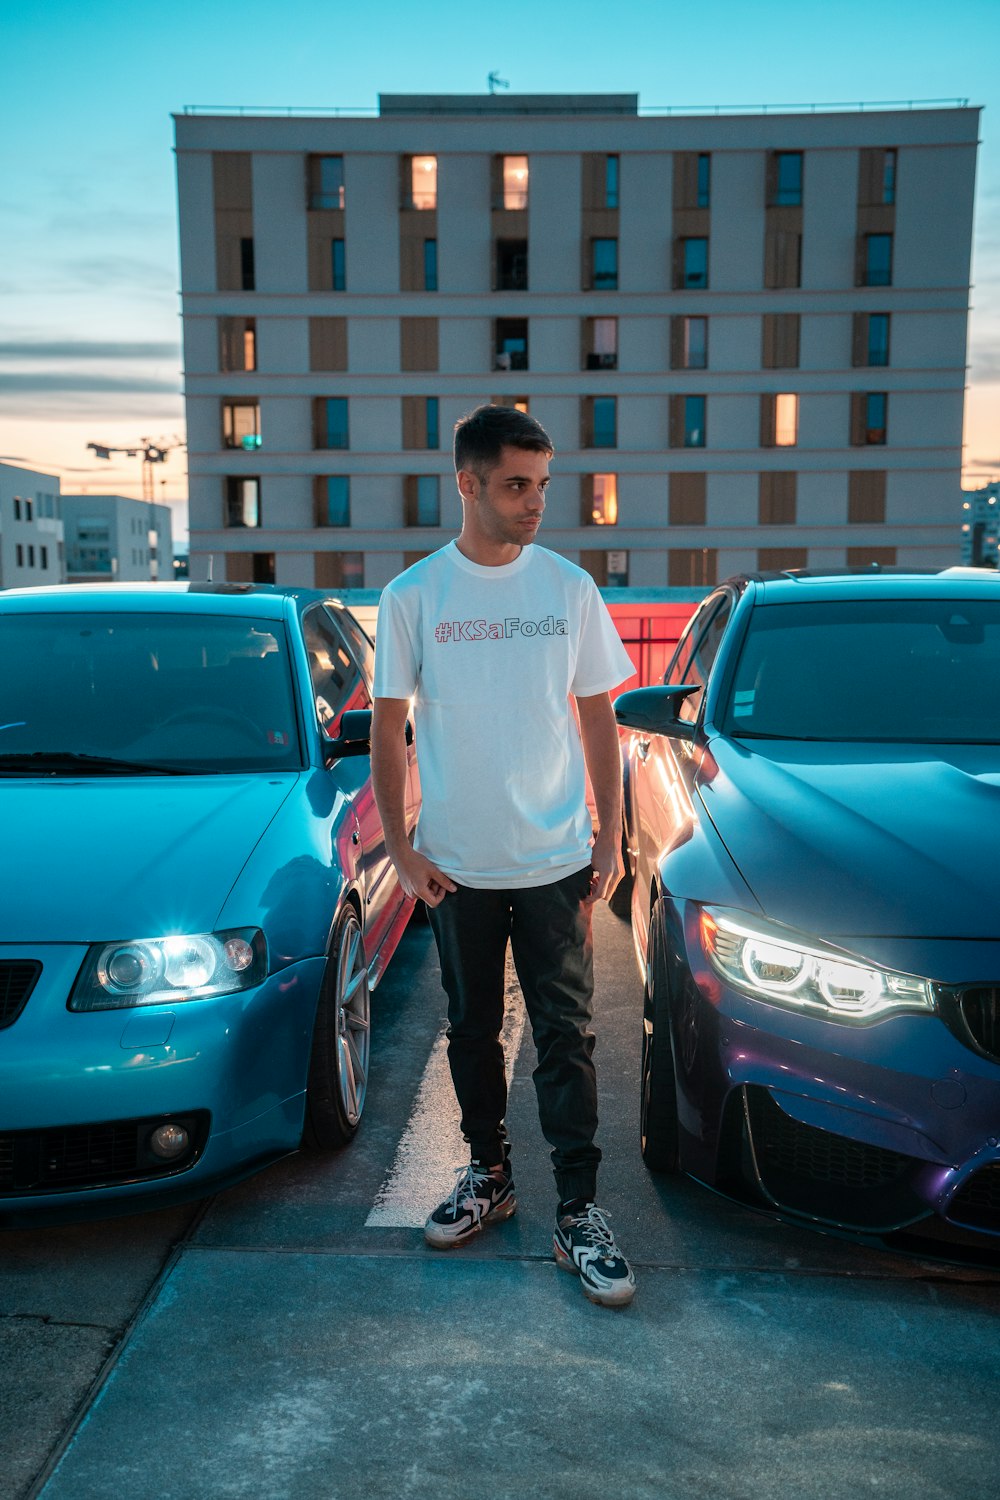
(89, 323)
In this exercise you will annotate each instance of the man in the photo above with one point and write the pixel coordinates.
(491, 636)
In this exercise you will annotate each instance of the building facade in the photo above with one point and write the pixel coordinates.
(114, 539)
(31, 529)
(981, 526)
(746, 335)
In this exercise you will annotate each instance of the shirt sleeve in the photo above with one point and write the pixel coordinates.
(602, 661)
(397, 658)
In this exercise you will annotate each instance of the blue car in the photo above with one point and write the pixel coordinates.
(813, 825)
(197, 900)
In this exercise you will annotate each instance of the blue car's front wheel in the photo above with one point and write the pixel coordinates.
(341, 1046)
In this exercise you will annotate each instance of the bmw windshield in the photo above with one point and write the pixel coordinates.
(903, 671)
(119, 692)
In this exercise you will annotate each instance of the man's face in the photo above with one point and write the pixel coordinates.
(508, 506)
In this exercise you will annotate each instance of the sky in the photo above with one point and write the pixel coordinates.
(89, 306)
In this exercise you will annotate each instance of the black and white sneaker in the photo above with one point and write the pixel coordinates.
(583, 1243)
(481, 1196)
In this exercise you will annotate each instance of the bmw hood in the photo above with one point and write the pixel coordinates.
(886, 840)
(100, 858)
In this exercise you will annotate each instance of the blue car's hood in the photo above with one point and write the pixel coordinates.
(843, 840)
(97, 858)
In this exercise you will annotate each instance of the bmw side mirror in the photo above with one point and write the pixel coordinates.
(355, 737)
(653, 710)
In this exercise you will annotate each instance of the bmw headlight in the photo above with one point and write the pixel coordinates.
(774, 965)
(165, 970)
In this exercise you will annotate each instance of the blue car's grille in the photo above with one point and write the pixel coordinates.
(17, 980)
(786, 1145)
(84, 1156)
(977, 1202)
(981, 1012)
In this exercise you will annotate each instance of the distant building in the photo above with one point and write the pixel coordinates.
(112, 538)
(31, 531)
(981, 526)
(746, 334)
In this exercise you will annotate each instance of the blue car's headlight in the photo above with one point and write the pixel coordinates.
(162, 971)
(775, 965)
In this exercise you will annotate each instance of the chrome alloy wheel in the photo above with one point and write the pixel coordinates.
(353, 1015)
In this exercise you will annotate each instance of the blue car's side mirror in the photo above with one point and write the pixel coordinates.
(355, 737)
(654, 710)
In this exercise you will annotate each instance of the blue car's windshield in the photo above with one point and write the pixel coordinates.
(204, 692)
(899, 671)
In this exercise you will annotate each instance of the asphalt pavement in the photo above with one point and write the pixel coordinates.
(294, 1339)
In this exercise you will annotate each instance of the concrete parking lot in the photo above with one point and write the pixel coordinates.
(293, 1337)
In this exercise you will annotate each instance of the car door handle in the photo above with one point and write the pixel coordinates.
(642, 748)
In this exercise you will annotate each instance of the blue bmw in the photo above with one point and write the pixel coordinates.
(813, 820)
(197, 901)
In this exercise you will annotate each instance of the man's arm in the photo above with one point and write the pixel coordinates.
(599, 733)
(417, 875)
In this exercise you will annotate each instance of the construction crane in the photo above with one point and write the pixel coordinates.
(152, 453)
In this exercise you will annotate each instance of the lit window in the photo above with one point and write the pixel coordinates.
(601, 344)
(515, 182)
(423, 181)
(241, 424)
(604, 510)
(786, 420)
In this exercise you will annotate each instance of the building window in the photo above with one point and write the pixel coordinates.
(611, 182)
(609, 570)
(781, 559)
(518, 403)
(422, 173)
(600, 500)
(703, 191)
(340, 570)
(600, 343)
(330, 418)
(247, 282)
(328, 343)
(237, 344)
(241, 424)
(780, 341)
(604, 265)
(691, 268)
(692, 567)
(866, 497)
(20, 555)
(876, 267)
(869, 418)
(17, 507)
(786, 179)
(510, 343)
(515, 182)
(877, 177)
(338, 266)
(686, 499)
(782, 259)
(687, 421)
(600, 422)
(422, 500)
(889, 176)
(779, 420)
(776, 499)
(688, 343)
(870, 345)
(242, 501)
(512, 265)
(430, 265)
(44, 554)
(864, 557)
(418, 343)
(421, 428)
(333, 494)
(326, 182)
(29, 510)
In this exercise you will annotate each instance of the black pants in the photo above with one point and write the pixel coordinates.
(549, 930)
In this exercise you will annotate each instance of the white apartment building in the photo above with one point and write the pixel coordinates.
(981, 526)
(745, 334)
(31, 531)
(115, 539)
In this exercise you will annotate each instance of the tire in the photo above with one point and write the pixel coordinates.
(341, 1044)
(658, 1125)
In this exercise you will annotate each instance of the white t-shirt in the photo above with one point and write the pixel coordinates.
(491, 657)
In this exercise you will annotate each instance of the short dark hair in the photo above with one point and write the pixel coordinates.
(481, 435)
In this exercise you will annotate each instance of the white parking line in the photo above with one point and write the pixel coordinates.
(431, 1146)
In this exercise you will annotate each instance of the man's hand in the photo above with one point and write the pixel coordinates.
(420, 878)
(606, 867)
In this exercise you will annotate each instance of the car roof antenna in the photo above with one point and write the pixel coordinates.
(211, 560)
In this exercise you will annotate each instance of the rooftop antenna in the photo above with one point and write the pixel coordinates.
(496, 82)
